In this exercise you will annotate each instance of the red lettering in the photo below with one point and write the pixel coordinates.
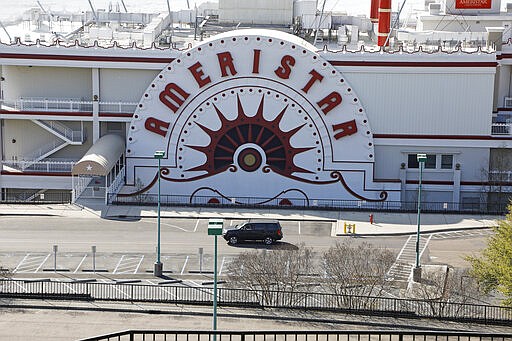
(198, 74)
(173, 96)
(285, 69)
(330, 102)
(225, 63)
(347, 128)
(315, 76)
(156, 126)
(256, 62)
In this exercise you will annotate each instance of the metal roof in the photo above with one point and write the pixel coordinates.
(101, 157)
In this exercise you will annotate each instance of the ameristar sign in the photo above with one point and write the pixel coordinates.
(253, 114)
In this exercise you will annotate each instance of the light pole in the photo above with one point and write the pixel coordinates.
(215, 229)
(416, 273)
(159, 267)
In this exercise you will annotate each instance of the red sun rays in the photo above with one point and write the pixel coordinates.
(255, 130)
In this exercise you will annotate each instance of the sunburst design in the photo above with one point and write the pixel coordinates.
(244, 132)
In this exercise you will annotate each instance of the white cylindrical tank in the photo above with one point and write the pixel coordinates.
(304, 7)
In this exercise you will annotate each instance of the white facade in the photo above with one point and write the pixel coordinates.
(440, 104)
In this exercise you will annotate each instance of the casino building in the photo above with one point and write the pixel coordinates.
(257, 117)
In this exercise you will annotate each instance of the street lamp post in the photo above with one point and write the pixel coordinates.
(159, 267)
(416, 273)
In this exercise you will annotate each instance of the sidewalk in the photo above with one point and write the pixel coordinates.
(384, 223)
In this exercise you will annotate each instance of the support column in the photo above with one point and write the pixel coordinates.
(403, 182)
(384, 21)
(456, 187)
(95, 105)
(374, 11)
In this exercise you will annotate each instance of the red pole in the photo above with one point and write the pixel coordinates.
(374, 11)
(384, 21)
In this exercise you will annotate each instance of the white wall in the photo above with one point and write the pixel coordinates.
(26, 81)
(441, 103)
(124, 85)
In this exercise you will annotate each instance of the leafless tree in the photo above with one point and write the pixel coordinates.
(275, 274)
(445, 291)
(356, 274)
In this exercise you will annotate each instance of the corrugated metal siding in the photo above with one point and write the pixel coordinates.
(426, 103)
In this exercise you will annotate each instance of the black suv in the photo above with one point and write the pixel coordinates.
(267, 231)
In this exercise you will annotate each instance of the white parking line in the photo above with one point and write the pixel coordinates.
(79, 265)
(43, 262)
(177, 227)
(118, 263)
(17, 267)
(299, 226)
(222, 265)
(197, 224)
(138, 265)
(184, 265)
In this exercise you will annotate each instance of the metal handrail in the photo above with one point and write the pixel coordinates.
(319, 301)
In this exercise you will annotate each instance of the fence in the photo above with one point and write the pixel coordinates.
(34, 197)
(332, 335)
(320, 204)
(257, 298)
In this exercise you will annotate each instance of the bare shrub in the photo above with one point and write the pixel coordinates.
(355, 273)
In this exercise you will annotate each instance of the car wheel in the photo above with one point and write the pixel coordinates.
(233, 240)
(268, 240)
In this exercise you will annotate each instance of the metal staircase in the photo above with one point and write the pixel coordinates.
(401, 270)
(64, 136)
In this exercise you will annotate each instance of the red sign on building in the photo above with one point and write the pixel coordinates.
(473, 4)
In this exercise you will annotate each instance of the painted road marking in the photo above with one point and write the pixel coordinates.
(177, 227)
(128, 264)
(197, 224)
(184, 265)
(31, 263)
(299, 225)
(79, 265)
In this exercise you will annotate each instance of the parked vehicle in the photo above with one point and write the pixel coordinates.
(266, 231)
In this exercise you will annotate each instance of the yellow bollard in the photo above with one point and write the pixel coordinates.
(354, 228)
(345, 227)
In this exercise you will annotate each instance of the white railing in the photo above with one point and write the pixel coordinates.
(46, 149)
(41, 166)
(70, 134)
(52, 104)
(118, 107)
(501, 129)
(116, 184)
(67, 104)
(80, 184)
(501, 176)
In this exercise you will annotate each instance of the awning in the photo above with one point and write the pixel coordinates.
(101, 157)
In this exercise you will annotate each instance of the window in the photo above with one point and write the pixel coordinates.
(433, 161)
(446, 161)
(412, 161)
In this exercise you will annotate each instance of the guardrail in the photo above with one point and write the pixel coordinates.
(331, 335)
(368, 305)
(67, 105)
(40, 166)
(145, 199)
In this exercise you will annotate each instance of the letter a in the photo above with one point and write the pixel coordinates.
(330, 102)
(347, 128)
(156, 126)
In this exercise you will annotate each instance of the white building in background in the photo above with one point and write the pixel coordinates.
(259, 117)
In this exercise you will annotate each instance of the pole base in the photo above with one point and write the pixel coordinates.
(158, 269)
(416, 274)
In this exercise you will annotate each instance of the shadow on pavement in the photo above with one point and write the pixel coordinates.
(261, 246)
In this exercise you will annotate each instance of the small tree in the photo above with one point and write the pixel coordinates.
(441, 288)
(493, 269)
(272, 272)
(357, 271)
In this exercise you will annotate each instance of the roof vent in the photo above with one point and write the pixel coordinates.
(434, 8)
